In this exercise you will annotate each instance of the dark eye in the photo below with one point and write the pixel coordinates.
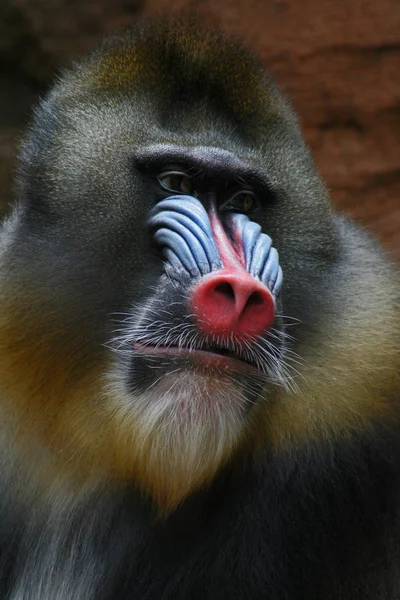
(176, 181)
(243, 201)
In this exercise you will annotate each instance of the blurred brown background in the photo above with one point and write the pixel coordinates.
(338, 60)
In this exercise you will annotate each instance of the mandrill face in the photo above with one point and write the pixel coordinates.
(194, 361)
(212, 312)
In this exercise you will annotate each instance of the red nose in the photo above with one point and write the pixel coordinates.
(229, 302)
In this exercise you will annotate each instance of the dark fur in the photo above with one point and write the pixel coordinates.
(313, 515)
(316, 524)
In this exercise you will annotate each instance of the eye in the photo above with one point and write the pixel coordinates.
(243, 201)
(176, 181)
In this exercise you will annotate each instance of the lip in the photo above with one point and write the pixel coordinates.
(205, 358)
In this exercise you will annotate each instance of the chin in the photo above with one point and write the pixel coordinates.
(181, 429)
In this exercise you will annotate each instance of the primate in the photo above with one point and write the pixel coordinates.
(199, 359)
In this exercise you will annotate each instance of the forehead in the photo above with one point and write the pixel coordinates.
(182, 65)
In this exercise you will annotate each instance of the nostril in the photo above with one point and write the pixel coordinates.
(224, 288)
(256, 299)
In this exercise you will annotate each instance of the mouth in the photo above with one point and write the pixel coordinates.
(210, 357)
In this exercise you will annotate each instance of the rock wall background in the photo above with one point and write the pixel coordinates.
(338, 60)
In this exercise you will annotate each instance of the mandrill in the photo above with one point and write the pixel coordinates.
(199, 359)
